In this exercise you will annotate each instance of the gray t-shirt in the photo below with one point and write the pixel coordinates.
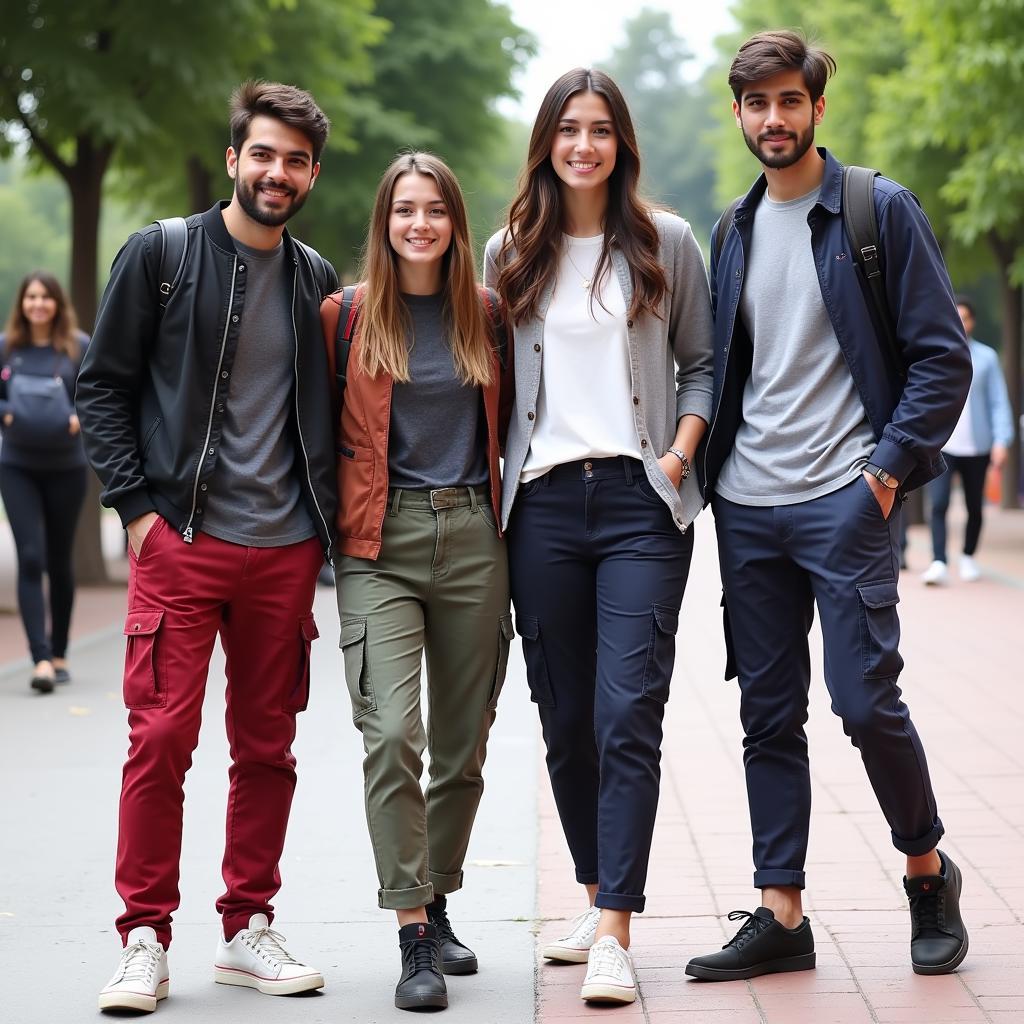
(804, 431)
(254, 496)
(438, 434)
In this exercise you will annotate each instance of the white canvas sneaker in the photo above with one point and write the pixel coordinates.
(141, 979)
(936, 575)
(256, 958)
(969, 571)
(610, 977)
(575, 946)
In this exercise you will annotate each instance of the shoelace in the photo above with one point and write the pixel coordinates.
(419, 955)
(586, 923)
(606, 958)
(439, 919)
(926, 912)
(269, 945)
(751, 928)
(139, 961)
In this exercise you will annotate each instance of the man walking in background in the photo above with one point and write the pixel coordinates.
(205, 408)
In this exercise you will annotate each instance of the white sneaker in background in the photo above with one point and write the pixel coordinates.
(256, 958)
(574, 947)
(141, 978)
(969, 571)
(610, 977)
(936, 575)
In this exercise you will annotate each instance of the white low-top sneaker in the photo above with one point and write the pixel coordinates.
(574, 947)
(141, 978)
(256, 958)
(969, 571)
(610, 977)
(936, 575)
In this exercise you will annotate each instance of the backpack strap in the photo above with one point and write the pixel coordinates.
(724, 223)
(491, 304)
(173, 249)
(323, 277)
(347, 317)
(861, 223)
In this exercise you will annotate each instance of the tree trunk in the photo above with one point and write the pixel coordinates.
(85, 183)
(200, 185)
(1013, 310)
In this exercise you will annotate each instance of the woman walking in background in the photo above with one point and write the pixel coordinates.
(612, 316)
(42, 463)
(421, 565)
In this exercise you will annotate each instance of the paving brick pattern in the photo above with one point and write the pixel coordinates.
(964, 683)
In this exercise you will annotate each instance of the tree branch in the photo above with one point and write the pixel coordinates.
(49, 153)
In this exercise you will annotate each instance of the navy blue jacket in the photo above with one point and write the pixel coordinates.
(912, 409)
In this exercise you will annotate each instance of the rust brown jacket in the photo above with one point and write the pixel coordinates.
(362, 430)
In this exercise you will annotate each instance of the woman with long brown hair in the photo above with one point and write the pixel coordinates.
(420, 559)
(612, 324)
(42, 463)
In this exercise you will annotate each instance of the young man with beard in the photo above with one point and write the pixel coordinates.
(817, 433)
(208, 421)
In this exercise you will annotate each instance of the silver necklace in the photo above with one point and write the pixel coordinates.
(583, 277)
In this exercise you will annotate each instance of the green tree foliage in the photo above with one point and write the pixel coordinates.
(671, 116)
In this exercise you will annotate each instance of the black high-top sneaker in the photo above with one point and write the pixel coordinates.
(938, 938)
(456, 958)
(421, 986)
(761, 946)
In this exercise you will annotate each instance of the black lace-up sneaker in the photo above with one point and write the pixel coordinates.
(761, 946)
(456, 958)
(938, 938)
(421, 986)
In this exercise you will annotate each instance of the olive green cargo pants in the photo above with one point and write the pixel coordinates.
(440, 586)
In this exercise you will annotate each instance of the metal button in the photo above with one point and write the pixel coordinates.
(211, 450)
(234, 319)
(136, 627)
(536, 348)
(636, 401)
(643, 444)
(241, 268)
(202, 487)
(588, 465)
(224, 374)
(629, 323)
(530, 416)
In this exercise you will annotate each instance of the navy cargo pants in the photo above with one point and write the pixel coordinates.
(837, 552)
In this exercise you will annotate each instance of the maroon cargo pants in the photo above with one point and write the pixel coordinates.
(179, 597)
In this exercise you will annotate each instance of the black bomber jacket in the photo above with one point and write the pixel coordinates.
(153, 386)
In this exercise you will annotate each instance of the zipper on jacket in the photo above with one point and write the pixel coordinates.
(187, 535)
(298, 420)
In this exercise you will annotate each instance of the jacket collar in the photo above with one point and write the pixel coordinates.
(831, 189)
(213, 224)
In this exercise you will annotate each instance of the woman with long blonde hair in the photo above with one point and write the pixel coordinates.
(612, 314)
(418, 349)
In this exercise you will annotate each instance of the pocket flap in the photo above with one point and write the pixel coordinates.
(529, 627)
(309, 630)
(506, 627)
(143, 622)
(879, 595)
(352, 632)
(667, 619)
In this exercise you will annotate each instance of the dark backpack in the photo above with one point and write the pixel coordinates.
(861, 224)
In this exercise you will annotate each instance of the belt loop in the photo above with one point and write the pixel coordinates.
(396, 501)
(474, 504)
(629, 469)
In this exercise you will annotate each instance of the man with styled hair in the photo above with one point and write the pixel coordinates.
(820, 428)
(206, 411)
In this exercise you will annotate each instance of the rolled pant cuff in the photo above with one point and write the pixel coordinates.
(919, 847)
(405, 899)
(444, 884)
(586, 877)
(620, 901)
(766, 877)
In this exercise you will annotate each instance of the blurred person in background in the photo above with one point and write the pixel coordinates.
(980, 439)
(42, 463)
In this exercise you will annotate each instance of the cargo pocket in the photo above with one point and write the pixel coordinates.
(661, 652)
(505, 636)
(536, 663)
(357, 672)
(730, 650)
(298, 697)
(879, 630)
(142, 676)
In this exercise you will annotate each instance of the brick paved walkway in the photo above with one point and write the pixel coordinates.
(963, 683)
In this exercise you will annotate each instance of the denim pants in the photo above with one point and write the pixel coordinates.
(836, 552)
(598, 569)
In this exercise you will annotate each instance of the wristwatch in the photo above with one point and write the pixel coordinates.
(681, 456)
(885, 478)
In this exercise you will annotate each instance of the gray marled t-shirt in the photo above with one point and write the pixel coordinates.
(804, 431)
(438, 433)
(254, 496)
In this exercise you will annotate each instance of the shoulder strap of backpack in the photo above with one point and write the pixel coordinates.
(724, 223)
(861, 223)
(491, 304)
(347, 317)
(173, 249)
